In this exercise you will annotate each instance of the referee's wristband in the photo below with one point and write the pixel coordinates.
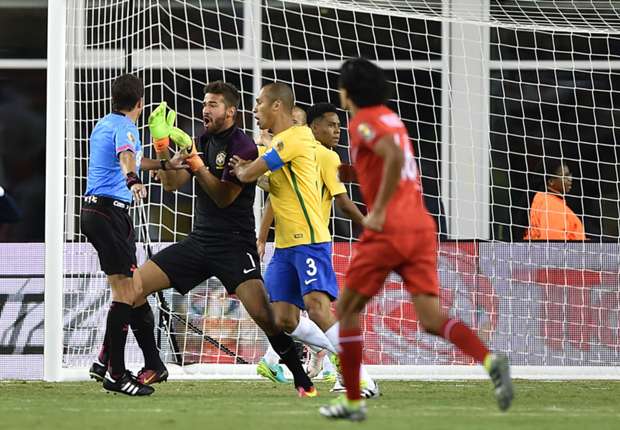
(132, 179)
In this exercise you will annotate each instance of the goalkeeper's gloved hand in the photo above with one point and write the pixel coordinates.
(160, 126)
(181, 139)
(194, 161)
(186, 145)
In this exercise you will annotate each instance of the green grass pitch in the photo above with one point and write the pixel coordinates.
(256, 405)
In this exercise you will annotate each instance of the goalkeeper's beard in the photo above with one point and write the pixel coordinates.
(214, 125)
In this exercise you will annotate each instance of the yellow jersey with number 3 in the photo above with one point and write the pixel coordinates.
(329, 161)
(295, 188)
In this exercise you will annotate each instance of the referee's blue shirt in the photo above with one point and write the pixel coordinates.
(112, 135)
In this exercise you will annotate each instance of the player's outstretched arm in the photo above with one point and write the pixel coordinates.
(127, 161)
(393, 162)
(344, 203)
(172, 173)
(175, 163)
(248, 171)
(263, 230)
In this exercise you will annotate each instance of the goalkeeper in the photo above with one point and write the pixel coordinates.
(223, 242)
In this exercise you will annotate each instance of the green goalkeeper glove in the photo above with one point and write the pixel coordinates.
(181, 139)
(160, 126)
(186, 146)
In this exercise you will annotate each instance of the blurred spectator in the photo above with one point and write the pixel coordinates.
(22, 120)
(9, 212)
(550, 218)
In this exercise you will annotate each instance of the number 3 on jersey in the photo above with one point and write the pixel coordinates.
(409, 171)
(311, 267)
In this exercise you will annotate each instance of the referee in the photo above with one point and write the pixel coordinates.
(113, 182)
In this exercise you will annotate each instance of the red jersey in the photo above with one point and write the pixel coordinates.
(406, 210)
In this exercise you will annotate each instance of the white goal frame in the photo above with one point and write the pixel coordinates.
(459, 109)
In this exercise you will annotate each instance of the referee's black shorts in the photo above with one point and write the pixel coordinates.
(108, 226)
(188, 263)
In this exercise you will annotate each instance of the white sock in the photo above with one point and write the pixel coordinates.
(364, 376)
(271, 357)
(333, 335)
(327, 364)
(315, 349)
(310, 334)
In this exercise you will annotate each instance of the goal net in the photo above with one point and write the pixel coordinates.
(489, 90)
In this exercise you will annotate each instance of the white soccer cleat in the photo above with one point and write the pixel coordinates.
(315, 366)
(369, 389)
(339, 385)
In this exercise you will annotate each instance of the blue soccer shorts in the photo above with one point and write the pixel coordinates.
(296, 271)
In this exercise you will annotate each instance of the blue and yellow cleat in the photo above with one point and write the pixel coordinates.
(274, 372)
(329, 376)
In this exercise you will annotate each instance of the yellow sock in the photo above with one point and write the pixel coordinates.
(487, 361)
(353, 404)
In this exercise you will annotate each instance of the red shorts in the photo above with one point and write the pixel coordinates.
(413, 256)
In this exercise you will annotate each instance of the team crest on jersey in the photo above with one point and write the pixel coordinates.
(279, 145)
(131, 138)
(220, 160)
(365, 131)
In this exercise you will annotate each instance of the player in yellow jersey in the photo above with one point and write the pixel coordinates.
(325, 125)
(300, 274)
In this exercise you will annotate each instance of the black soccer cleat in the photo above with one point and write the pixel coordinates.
(500, 375)
(150, 376)
(126, 384)
(97, 371)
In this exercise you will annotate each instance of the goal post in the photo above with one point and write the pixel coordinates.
(487, 90)
(54, 191)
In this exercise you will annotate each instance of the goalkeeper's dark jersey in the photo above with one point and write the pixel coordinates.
(238, 218)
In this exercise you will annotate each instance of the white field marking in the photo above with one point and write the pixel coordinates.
(548, 410)
(430, 411)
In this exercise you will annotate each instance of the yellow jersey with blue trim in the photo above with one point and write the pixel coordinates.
(328, 161)
(294, 188)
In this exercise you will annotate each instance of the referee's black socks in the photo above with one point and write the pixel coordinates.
(142, 324)
(117, 326)
(285, 347)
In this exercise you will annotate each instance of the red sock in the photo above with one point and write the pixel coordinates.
(464, 338)
(351, 343)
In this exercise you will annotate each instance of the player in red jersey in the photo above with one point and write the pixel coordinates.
(399, 236)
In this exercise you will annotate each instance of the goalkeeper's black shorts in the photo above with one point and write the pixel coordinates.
(108, 227)
(233, 260)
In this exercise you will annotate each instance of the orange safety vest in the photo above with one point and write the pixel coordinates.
(552, 219)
